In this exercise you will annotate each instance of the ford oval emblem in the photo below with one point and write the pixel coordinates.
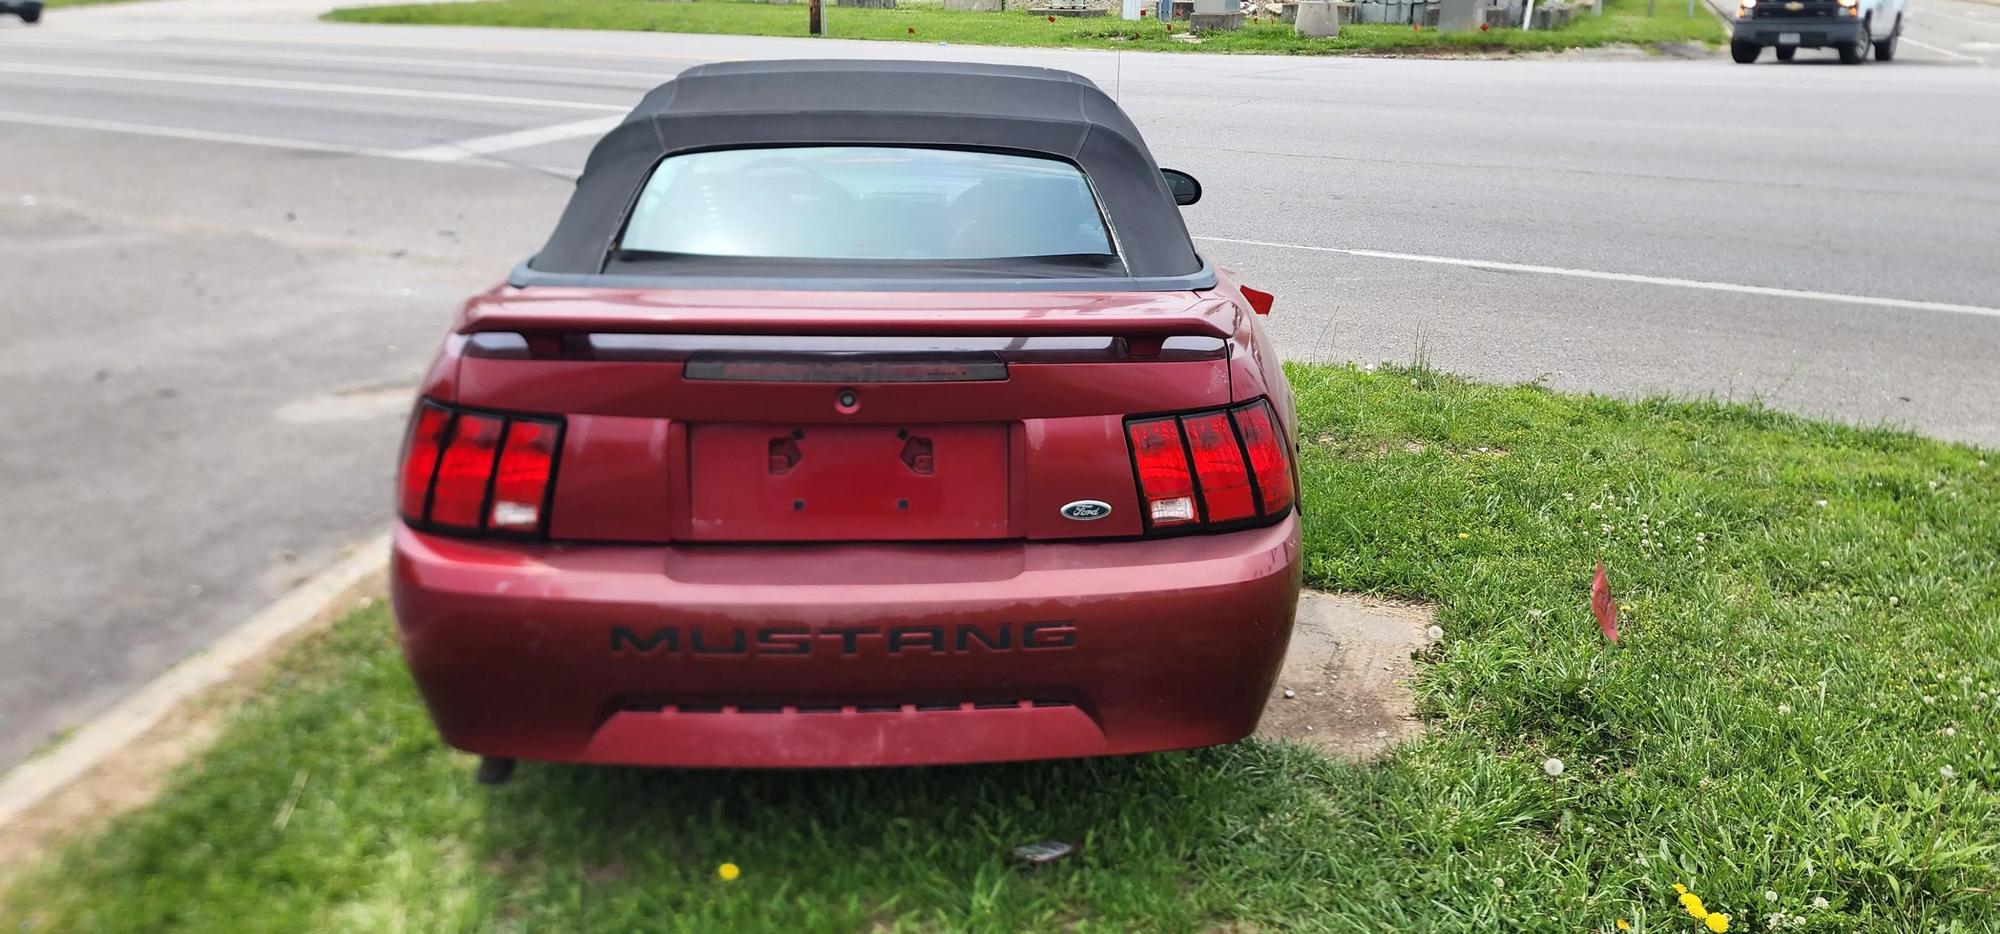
(1084, 510)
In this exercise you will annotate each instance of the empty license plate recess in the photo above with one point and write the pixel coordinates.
(772, 483)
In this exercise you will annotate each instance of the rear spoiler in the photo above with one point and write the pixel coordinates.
(1127, 314)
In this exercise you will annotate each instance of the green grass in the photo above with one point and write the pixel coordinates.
(1624, 21)
(1813, 635)
(51, 4)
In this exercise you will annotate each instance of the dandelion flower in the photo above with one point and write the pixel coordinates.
(1464, 535)
(1554, 767)
(1680, 888)
(1692, 903)
(728, 872)
(1717, 922)
(1624, 925)
(1435, 632)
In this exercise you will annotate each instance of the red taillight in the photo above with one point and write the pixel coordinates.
(1268, 462)
(1166, 487)
(460, 487)
(1218, 463)
(477, 471)
(521, 481)
(1239, 470)
(420, 456)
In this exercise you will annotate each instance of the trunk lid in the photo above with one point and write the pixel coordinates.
(753, 417)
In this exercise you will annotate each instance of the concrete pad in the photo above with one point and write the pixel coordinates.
(1350, 669)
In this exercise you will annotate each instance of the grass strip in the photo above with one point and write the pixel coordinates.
(1624, 21)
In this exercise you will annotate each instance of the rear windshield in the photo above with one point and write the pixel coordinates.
(866, 203)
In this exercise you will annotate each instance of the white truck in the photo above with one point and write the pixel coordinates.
(1849, 26)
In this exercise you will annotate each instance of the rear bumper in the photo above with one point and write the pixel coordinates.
(1813, 33)
(845, 655)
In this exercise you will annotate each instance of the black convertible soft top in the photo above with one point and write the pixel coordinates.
(1036, 111)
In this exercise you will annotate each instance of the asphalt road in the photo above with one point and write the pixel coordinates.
(230, 238)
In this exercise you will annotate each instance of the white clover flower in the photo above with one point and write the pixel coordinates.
(1784, 710)
(1930, 699)
(1771, 896)
(1947, 772)
(1553, 767)
(1435, 632)
(1893, 601)
(1820, 903)
(1950, 731)
(1499, 883)
(1820, 503)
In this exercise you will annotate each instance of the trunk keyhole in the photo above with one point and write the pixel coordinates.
(784, 454)
(917, 455)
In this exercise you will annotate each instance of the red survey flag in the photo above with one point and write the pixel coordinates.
(1602, 606)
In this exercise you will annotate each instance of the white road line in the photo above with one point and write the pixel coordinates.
(1925, 45)
(1803, 294)
(111, 731)
(174, 132)
(316, 87)
(1927, 14)
(245, 139)
(213, 52)
(501, 142)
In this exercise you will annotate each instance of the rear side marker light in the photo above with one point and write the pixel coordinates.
(478, 471)
(1218, 469)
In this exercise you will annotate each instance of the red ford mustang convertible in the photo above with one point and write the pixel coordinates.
(854, 414)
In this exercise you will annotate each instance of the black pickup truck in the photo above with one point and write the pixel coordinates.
(30, 11)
